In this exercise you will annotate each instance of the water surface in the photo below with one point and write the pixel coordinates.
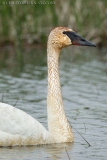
(84, 87)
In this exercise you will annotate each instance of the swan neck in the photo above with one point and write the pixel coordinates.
(54, 87)
(57, 121)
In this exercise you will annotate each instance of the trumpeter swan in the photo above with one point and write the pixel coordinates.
(19, 128)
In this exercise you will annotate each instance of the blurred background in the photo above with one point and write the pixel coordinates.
(24, 29)
(29, 22)
(26, 24)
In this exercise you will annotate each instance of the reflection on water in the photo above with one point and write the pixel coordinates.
(84, 88)
(53, 151)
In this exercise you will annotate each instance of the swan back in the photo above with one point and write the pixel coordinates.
(19, 128)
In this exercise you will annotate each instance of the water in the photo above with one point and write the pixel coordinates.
(84, 88)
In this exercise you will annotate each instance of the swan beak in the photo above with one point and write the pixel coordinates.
(78, 40)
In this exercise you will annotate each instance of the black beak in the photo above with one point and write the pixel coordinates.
(78, 40)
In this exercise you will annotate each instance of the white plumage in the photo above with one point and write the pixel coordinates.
(19, 128)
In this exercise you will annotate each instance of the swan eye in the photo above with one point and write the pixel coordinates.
(63, 32)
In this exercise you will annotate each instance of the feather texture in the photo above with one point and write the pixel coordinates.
(19, 128)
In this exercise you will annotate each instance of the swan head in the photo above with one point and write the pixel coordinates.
(61, 37)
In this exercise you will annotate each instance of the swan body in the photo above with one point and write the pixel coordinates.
(17, 128)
